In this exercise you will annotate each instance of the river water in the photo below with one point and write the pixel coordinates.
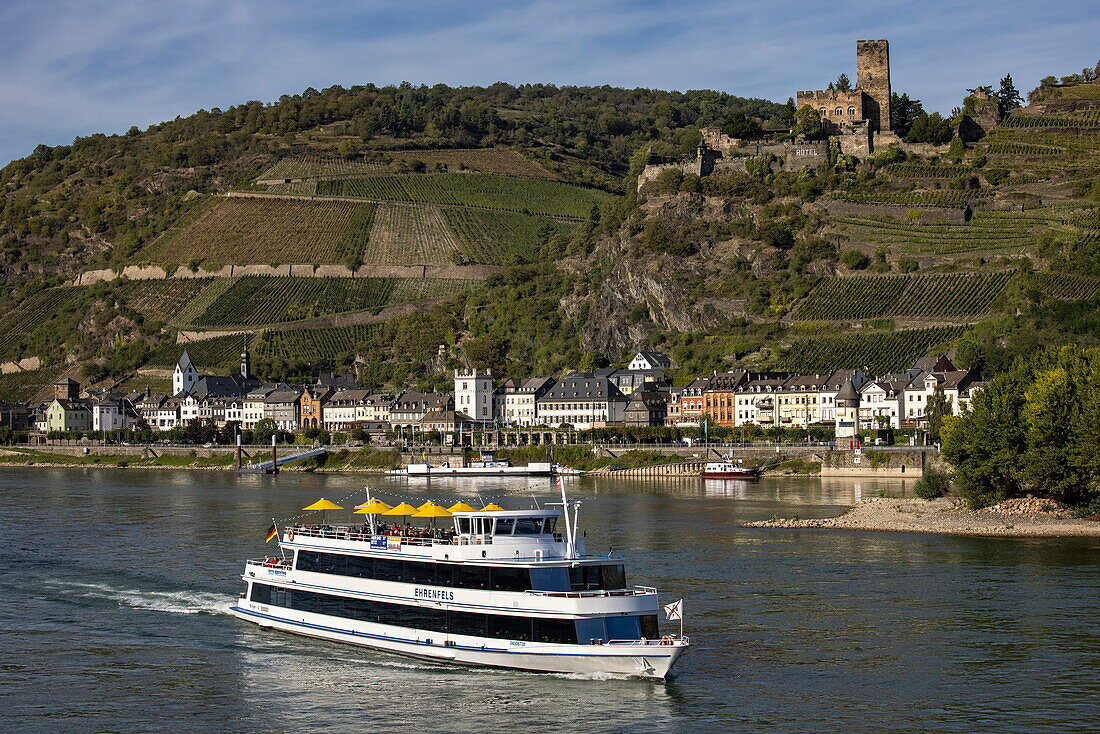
(113, 582)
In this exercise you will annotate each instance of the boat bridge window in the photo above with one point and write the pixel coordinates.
(504, 525)
(502, 626)
(591, 578)
(528, 526)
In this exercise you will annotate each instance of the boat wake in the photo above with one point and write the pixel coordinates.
(174, 602)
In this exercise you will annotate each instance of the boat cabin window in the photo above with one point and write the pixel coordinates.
(591, 578)
(528, 526)
(505, 525)
(463, 525)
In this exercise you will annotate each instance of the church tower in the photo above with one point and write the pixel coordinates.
(873, 79)
(246, 362)
(185, 375)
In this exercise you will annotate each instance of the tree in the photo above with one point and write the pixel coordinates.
(939, 407)
(903, 112)
(1008, 97)
(807, 122)
(739, 125)
(264, 429)
(843, 83)
(347, 149)
(788, 114)
(930, 129)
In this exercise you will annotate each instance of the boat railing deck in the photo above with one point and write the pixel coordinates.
(275, 562)
(596, 593)
(674, 640)
(339, 532)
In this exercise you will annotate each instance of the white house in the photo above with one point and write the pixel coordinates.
(650, 361)
(474, 394)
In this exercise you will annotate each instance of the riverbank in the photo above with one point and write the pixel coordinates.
(1014, 518)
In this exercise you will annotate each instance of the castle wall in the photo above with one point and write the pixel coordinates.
(837, 108)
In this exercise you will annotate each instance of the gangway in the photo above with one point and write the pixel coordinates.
(271, 467)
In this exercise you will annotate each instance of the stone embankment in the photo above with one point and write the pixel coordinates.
(1023, 517)
(157, 272)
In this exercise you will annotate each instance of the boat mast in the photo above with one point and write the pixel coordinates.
(570, 526)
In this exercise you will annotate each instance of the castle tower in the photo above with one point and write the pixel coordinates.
(474, 394)
(873, 79)
(847, 411)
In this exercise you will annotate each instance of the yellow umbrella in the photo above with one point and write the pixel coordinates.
(492, 507)
(374, 507)
(323, 505)
(432, 510)
(460, 507)
(402, 509)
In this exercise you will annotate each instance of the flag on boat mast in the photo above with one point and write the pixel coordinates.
(271, 533)
(675, 610)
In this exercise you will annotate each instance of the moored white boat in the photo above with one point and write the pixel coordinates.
(729, 470)
(503, 588)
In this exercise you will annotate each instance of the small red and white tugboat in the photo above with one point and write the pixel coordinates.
(729, 470)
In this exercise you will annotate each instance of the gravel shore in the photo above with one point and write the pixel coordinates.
(948, 516)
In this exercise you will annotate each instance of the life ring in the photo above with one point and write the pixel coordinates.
(666, 640)
(289, 535)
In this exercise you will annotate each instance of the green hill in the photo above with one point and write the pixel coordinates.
(404, 231)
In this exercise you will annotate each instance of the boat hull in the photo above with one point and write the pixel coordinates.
(648, 661)
(731, 475)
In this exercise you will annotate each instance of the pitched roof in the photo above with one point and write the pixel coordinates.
(848, 392)
(583, 386)
(184, 360)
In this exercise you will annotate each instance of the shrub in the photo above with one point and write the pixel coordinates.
(855, 260)
(933, 484)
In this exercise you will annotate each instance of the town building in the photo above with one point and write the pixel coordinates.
(410, 407)
(339, 409)
(474, 394)
(691, 402)
(516, 400)
(64, 414)
(646, 408)
(311, 405)
(650, 362)
(281, 405)
(582, 400)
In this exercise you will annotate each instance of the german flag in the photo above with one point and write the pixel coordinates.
(271, 533)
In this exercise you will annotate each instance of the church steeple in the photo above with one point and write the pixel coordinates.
(185, 375)
(246, 362)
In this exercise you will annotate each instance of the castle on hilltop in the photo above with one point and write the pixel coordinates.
(866, 106)
(858, 120)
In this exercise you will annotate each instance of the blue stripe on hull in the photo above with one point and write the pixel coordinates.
(524, 651)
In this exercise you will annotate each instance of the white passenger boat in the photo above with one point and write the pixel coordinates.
(505, 589)
(729, 470)
(483, 468)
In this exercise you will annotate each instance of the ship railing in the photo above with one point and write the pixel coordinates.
(595, 593)
(665, 641)
(338, 532)
(276, 562)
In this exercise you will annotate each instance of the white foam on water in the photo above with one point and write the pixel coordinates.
(174, 602)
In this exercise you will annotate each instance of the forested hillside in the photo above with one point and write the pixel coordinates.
(402, 231)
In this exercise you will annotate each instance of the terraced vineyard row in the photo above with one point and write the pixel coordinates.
(953, 296)
(409, 235)
(33, 327)
(499, 237)
(219, 355)
(877, 353)
(981, 234)
(472, 189)
(242, 230)
(1010, 148)
(1084, 119)
(18, 387)
(161, 300)
(311, 344)
(294, 188)
(940, 198)
(927, 170)
(313, 166)
(255, 300)
(504, 161)
(1067, 287)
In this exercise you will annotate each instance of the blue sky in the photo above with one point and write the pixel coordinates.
(77, 67)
